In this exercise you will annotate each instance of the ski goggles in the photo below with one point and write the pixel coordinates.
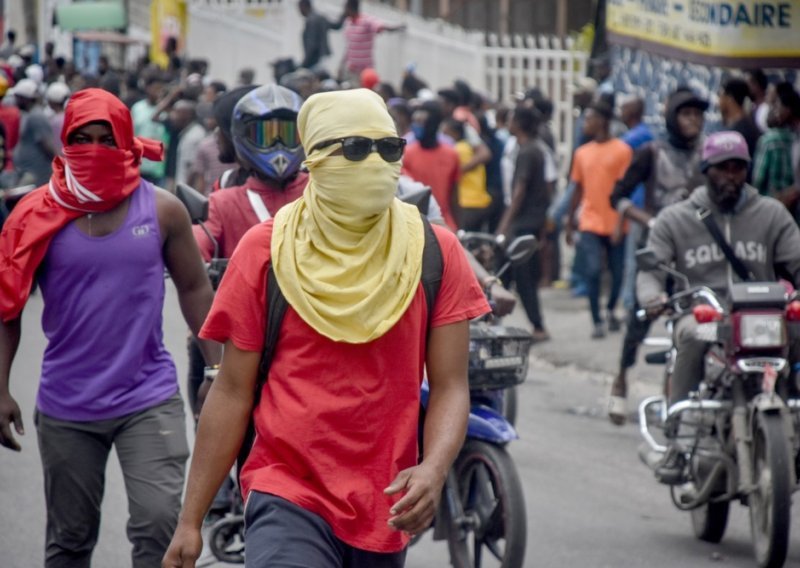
(357, 148)
(267, 133)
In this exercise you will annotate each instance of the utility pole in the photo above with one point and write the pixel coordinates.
(561, 19)
(505, 17)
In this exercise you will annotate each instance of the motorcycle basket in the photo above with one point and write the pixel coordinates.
(498, 356)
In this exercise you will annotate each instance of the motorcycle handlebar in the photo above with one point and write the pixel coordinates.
(467, 236)
(674, 302)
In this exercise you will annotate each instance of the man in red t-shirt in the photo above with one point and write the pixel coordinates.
(430, 162)
(332, 479)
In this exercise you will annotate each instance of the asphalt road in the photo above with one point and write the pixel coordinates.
(590, 502)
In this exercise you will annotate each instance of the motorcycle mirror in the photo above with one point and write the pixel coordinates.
(195, 202)
(646, 260)
(521, 249)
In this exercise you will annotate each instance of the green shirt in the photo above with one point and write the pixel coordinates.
(145, 126)
(772, 172)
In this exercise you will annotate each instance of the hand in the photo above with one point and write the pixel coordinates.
(185, 548)
(9, 413)
(569, 236)
(504, 301)
(618, 235)
(414, 512)
(549, 227)
(656, 306)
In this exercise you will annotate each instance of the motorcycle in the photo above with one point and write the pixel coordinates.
(738, 432)
(482, 510)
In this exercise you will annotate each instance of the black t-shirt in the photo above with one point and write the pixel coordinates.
(747, 128)
(529, 171)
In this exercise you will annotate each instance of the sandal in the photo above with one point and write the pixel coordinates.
(617, 410)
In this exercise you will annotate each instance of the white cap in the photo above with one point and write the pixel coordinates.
(15, 61)
(35, 73)
(26, 88)
(57, 92)
(585, 84)
(27, 50)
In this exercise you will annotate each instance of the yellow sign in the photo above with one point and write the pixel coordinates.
(167, 29)
(710, 32)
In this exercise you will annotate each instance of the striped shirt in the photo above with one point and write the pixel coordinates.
(772, 171)
(360, 33)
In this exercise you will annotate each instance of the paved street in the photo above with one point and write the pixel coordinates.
(589, 500)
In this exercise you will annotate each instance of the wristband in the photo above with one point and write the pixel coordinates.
(210, 373)
(651, 223)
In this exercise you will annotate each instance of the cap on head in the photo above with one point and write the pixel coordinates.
(26, 88)
(723, 146)
(369, 78)
(57, 93)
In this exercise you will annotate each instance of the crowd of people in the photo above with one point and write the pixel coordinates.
(314, 162)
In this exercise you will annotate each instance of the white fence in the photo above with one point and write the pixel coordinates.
(233, 34)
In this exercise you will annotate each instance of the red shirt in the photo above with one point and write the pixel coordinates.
(438, 168)
(10, 119)
(336, 421)
(230, 214)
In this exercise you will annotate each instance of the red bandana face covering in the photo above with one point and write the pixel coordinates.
(90, 178)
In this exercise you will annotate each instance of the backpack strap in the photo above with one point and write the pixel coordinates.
(705, 217)
(432, 268)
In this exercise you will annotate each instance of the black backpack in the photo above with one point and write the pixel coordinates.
(431, 279)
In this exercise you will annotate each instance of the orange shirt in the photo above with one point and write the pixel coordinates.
(597, 167)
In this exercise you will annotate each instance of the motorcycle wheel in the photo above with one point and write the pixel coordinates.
(770, 502)
(492, 498)
(226, 539)
(710, 521)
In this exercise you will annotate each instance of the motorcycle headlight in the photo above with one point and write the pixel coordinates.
(762, 330)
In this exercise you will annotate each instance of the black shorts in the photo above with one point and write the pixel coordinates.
(279, 534)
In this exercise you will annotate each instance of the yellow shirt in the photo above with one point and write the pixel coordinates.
(472, 192)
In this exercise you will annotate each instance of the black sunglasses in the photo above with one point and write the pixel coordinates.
(357, 148)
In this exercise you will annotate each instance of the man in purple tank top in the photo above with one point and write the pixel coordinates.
(107, 380)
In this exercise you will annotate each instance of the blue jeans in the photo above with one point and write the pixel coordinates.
(632, 240)
(594, 249)
(558, 210)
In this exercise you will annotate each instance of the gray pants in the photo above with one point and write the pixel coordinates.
(152, 449)
(690, 360)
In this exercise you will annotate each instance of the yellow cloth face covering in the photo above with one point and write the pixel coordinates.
(348, 254)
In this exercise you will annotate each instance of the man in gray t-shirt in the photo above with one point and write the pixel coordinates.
(36, 147)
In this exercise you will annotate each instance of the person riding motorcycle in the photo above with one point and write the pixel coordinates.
(668, 170)
(264, 135)
(760, 231)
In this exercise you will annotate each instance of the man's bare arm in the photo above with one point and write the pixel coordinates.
(444, 432)
(9, 410)
(185, 265)
(223, 423)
